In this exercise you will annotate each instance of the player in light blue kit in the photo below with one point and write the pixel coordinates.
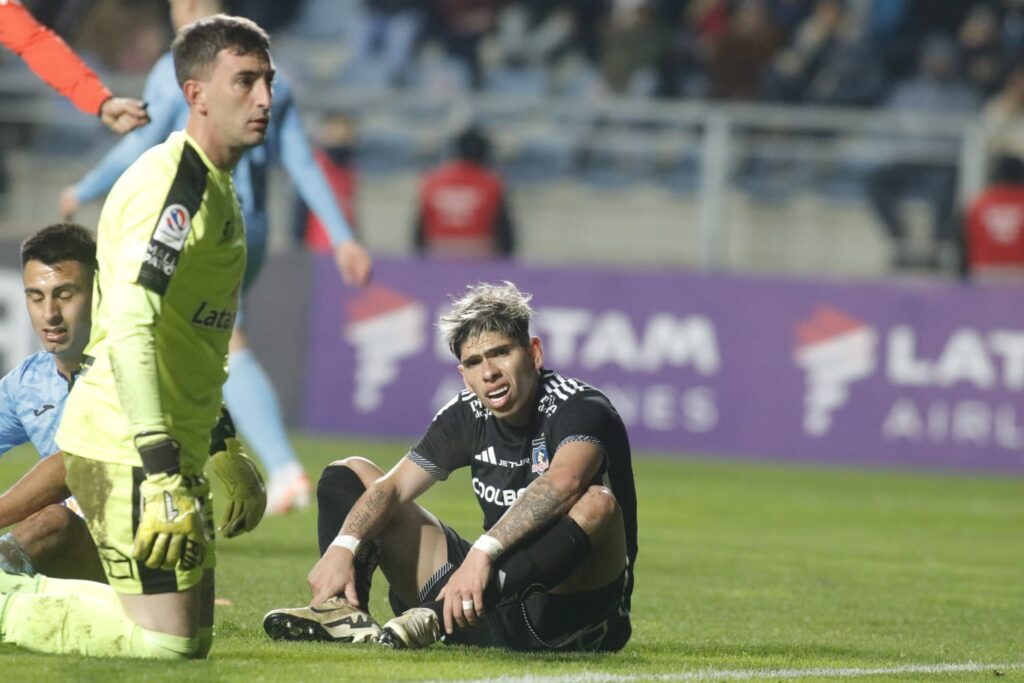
(57, 268)
(248, 391)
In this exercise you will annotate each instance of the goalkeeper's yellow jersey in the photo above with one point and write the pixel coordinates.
(171, 252)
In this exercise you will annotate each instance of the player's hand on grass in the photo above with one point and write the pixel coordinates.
(466, 585)
(171, 532)
(244, 487)
(334, 574)
(354, 263)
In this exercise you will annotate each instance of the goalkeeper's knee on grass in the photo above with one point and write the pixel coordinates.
(86, 623)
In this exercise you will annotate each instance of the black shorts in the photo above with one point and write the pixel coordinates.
(593, 621)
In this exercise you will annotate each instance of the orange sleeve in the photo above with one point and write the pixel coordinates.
(50, 57)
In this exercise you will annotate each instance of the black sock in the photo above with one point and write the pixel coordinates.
(544, 561)
(337, 491)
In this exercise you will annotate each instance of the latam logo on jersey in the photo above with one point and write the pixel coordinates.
(212, 318)
(963, 391)
(173, 227)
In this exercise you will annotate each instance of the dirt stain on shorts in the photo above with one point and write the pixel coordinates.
(89, 481)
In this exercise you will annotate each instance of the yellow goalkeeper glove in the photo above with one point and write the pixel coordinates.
(243, 484)
(171, 530)
(244, 488)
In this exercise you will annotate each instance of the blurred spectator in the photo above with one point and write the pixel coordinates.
(588, 17)
(460, 26)
(336, 138)
(923, 165)
(994, 226)
(981, 50)
(694, 28)
(388, 31)
(739, 59)
(530, 31)
(463, 211)
(633, 43)
(789, 14)
(1004, 117)
(1012, 32)
(832, 61)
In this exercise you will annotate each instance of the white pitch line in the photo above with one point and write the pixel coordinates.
(746, 675)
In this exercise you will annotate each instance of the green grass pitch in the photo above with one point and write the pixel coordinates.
(746, 571)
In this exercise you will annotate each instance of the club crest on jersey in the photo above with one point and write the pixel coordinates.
(539, 456)
(173, 227)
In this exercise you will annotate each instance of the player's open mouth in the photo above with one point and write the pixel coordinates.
(497, 397)
(55, 335)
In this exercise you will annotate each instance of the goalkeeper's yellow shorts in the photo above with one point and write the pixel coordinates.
(108, 494)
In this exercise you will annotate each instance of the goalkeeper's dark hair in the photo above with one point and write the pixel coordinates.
(60, 242)
(197, 45)
(499, 308)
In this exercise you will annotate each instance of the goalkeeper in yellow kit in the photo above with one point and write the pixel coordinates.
(136, 426)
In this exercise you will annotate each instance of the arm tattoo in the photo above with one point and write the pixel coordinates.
(540, 504)
(368, 513)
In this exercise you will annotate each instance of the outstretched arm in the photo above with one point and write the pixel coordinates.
(165, 104)
(353, 261)
(334, 573)
(58, 66)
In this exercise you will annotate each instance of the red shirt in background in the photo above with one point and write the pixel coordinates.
(462, 212)
(995, 230)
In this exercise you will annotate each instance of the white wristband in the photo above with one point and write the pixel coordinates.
(351, 543)
(490, 545)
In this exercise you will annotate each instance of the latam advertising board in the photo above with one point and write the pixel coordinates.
(891, 374)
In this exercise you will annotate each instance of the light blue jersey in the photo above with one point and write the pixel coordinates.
(32, 399)
(286, 142)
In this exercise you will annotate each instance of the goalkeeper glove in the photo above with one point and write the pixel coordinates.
(243, 484)
(171, 531)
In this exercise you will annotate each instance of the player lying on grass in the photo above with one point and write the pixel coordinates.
(552, 473)
(58, 264)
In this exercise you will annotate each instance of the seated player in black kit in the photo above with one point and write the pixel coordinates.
(552, 472)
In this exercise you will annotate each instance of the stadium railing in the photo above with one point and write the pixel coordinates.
(709, 153)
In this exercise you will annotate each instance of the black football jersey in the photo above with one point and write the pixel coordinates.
(504, 459)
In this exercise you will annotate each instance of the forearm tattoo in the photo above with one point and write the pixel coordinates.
(540, 503)
(367, 514)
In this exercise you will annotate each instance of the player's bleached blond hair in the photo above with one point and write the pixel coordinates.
(488, 307)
